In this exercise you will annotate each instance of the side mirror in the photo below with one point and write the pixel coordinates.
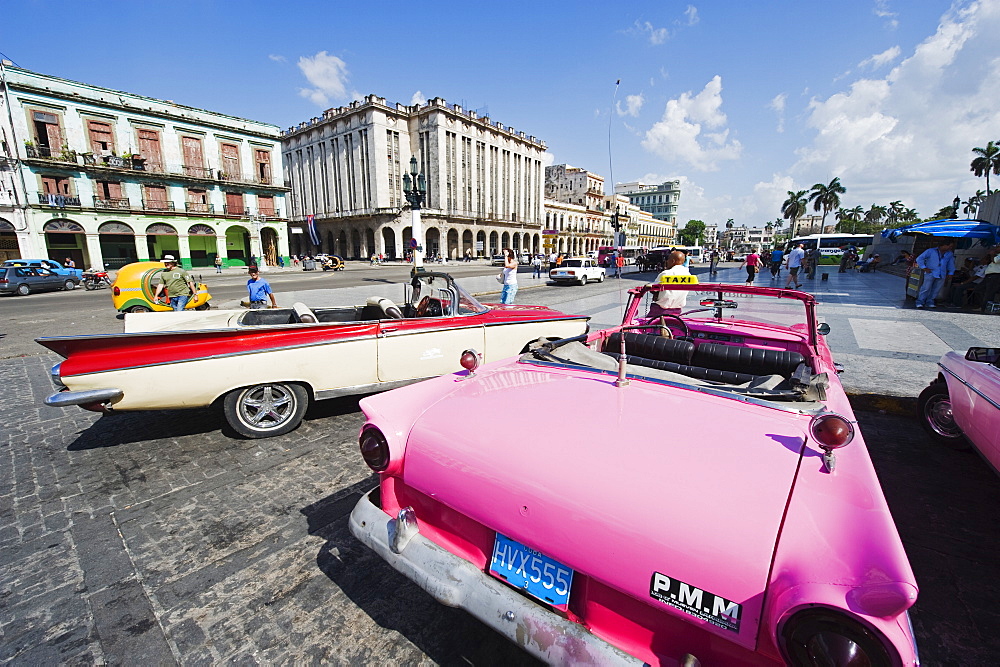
(823, 329)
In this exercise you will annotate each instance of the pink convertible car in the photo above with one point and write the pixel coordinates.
(678, 490)
(962, 405)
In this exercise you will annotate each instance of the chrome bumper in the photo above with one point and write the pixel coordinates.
(455, 582)
(91, 397)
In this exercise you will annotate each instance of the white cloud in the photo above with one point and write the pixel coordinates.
(277, 58)
(881, 10)
(633, 104)
(879, 60)
(655, 35)
(909, 135)
(778, 106)
(418, 99)
(328, 74)
(691, 15)
(679, 133)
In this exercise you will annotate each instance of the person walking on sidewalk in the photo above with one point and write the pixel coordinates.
(937, 264)
(536, 265)
(776, 257)
(752, 262)
(509, 288)
(218, 264)
(795, 259)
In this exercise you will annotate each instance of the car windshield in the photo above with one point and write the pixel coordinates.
(440, 287)
(573, 262)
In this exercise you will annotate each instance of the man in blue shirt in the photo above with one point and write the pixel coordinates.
(937, 264)
(776, 257)
(259, 289)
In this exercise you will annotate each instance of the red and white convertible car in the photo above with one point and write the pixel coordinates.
(265, 366)
(962, 405)
(698, 498)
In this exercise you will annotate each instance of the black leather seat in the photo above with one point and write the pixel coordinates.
(747, 360)
(650, 346)
(710, 374)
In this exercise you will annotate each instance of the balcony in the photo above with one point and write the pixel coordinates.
(113, 203)
(58, 201)
(235, 209)
(243, 179)
(47, 153)
(196, 172)
(198, 207)
(157, 205)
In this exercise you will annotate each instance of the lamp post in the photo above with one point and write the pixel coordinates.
(415, 190)
(956, 202)
(618, 222)
(256, 242)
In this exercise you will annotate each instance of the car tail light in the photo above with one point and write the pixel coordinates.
(116, 291)
(374, 448)
(827, 637)
(831, 431)
(471, 360)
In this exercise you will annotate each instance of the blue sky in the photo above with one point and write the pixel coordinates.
(742, 101)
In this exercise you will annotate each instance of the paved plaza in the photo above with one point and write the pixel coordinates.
(158, 538)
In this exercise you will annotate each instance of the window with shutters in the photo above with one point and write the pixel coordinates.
(234, 204)
(265, 205)
(109, 195)
(55, 185)
(194, 159)
(101, 137)
(263, 160)
(156, 198)
(149, 149)
(48, 135)
(197, 201)
(231, 162)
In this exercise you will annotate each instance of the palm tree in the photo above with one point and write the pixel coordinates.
(849, 218)
(909, 215)
(874, 216)
(988, 160)
(826, 197)
(895, 209)
(794, 207)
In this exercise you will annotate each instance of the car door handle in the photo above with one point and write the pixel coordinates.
(388, 329)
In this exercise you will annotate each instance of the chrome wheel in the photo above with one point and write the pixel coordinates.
(937, 418)
(266, 410)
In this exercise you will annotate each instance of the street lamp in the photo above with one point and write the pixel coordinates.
(619, 221)
(415, 191)
(256, 242)
(956, 203)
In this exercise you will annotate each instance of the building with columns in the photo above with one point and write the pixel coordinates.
(660, 201)
(484, 181)
(106, 178)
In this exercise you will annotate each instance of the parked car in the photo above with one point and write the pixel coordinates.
(23, 280)
(135, 286)
(266, 366)
(577, 270)
(498, 260)
(703, 498)
(961, 407)
(50, 264)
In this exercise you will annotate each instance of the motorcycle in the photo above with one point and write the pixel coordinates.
(96, 279)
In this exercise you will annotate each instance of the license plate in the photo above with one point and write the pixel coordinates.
(533, 572)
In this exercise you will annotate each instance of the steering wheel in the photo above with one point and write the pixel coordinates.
(665, 330)
(429, 307)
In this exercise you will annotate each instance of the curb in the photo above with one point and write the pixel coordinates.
(900, 406)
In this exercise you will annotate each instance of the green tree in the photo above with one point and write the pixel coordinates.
(894, 211)
(693, 233)
(825, 198)
(794, 207)
(986, 160)
(874, 217)
(848, 219)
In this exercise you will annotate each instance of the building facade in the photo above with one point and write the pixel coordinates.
(660, 201)
(748, 239)
(106, 178)
(484, 181)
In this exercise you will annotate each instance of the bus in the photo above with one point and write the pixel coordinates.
(694, 252)
(629, 252)
(832, 246)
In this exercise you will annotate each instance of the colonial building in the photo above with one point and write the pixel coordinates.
(105, 177)
(811, 224)
(748, 239)
(484, 181)
(661, 201)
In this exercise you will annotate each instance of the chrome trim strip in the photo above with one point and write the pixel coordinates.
(981, 394)
(66, 398)
(366, 388)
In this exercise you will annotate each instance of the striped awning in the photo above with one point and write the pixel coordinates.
(962, 229)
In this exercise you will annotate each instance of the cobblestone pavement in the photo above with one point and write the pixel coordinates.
(155, 538)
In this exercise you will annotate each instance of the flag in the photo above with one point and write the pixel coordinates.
(313, 234)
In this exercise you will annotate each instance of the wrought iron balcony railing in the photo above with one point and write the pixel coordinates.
(113, 203)
(235, 209)
(57, 200)
(157, 205)
(198, 207)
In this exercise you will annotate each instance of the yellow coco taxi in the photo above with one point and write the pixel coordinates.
(135, 287)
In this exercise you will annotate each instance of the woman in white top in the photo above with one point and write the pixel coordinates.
(509, 277)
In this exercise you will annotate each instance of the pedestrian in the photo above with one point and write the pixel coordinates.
(848, 258)
(281, 262)
(752, 262)
(670, 302)
(811, 260)
(990, 285)
(218, 264)
(536, 263)
(795, 259)
(174, 283)
(713, 263)
(259, 289)
(776, 257)
(69, 263)
(937, 264)
(620, 262)
(509, 288)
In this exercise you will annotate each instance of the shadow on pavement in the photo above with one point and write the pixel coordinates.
(131, 427)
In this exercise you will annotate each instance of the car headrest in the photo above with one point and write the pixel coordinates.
(305, 314)
(390, 309)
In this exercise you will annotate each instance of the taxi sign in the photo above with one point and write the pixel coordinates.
(678, 280)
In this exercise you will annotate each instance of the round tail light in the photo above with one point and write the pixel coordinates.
(821, 637)
(374, 448)
(471, 360)
(116, 291)
(831, 431)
